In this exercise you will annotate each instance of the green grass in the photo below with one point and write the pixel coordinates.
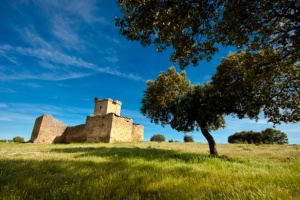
(148, 171)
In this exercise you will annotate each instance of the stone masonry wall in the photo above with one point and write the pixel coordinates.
(114, 107)
(98, 128)
(121, 129)
(47, 129)
(105, 106)
(36, 129)
(137, 132)
(104, 126)
(75, 134)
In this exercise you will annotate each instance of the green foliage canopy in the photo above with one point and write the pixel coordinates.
(158, 138)
(171, 99)
(250, 83)
(195, 28)
(272, 136)
(18, 139)
(188, 138)
(244, 86)
(268, 136)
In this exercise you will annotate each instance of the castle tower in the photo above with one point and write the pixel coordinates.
(105, 106)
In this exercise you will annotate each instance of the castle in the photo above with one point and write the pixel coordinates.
(105, 125)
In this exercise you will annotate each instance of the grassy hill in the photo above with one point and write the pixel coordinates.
(149, 171)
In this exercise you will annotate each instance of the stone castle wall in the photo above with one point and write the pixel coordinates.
(36, 129)
(47, 129)
(104, 126)
(121, 129)
(98, 127)
(137, 132)
(105, 106)
(74, 134)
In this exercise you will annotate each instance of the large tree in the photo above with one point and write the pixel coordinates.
(262, 77)
(244, 86)
(171, 99)
(196, 28)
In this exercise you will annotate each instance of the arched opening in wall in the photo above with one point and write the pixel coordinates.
(100, 107)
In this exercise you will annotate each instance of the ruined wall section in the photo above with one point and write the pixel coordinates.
(36, 128)
(121, 129)
(137, 132)
(98, 127)
(47, 129)
(74, 134)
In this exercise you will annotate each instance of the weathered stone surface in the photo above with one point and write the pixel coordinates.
(137, 132)
(102, 107)
(46, 129)
(121, 130)
(104, 126)
(98, 128)
(74, 134)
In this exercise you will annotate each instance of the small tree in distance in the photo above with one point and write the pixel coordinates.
(272, 136)
(268, 136)
(18, 139)
(188, 138)
(158, 138)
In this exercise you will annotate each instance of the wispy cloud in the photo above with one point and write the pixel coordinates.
(57, 48)
(27, 75)
(33, 85)
(30, 35)
(108, 70)
(55, 56)
(85, 9)
(24, 112)
(3, 105)
(63, 30)
(3, 53)
(112, 59)
(6, 90)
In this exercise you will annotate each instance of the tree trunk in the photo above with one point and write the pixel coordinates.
(210, 140)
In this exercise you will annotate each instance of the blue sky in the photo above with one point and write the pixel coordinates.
(56, 56)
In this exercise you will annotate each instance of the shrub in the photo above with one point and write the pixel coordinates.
(188, 138)
(171, 140)
(158, 138)
(272, 136)
(18, 139)
(249, 137)
(268, 136)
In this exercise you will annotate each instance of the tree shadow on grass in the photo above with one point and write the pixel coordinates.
(149, 154)
(72, 179)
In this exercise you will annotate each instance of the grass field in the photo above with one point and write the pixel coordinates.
(148, 171)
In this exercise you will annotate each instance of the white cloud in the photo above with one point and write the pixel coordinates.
(63, 30)
(6, 90)
(3, 53)
(24, 112)
(30, 36)
(58, 76)
(33, 85)
(55, 56)
(112, 59)
(108, 70)
(86, 9)
(3, 105)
